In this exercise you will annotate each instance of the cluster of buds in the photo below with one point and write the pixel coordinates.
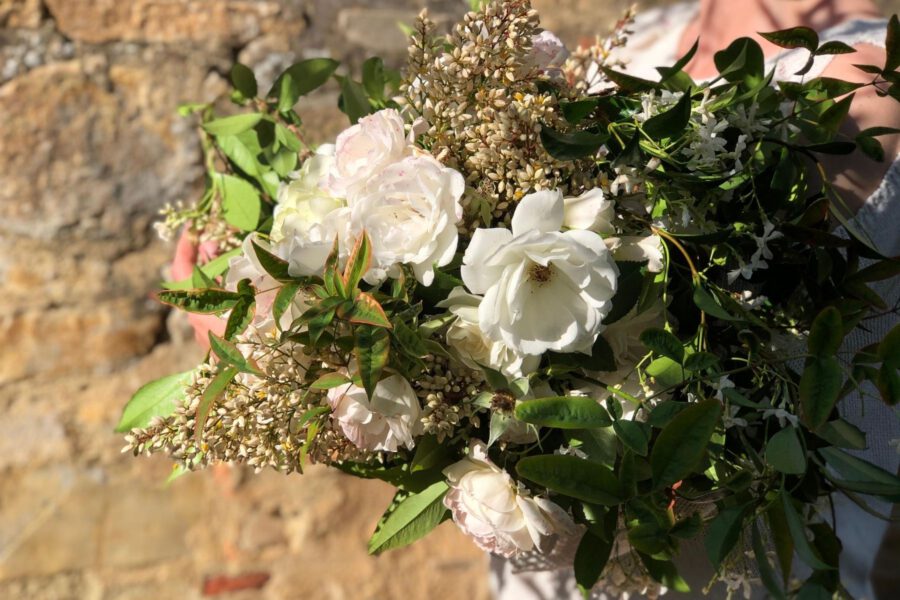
(446, 390)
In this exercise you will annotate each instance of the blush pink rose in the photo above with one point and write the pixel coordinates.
(487, 504)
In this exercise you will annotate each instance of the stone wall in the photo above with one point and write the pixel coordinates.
(90, 148)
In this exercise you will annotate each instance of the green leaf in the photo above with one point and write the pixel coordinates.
(862, 476)
(373, 78)
(330, 380)
(283, 300)
(766, 572)
(666, 371)
(795, 37)
(742, 60)
(155, 399)
(371, 347)
(430, 454)
(781, 539)
(574, 477)
(842, 434)
(232, 125)
(208, 301)
(664, 571)
(723, 533)
(670, 72)
(212, 393)
(353, 101)
(243, 80)
(708, 304)
(577, 110)
(629, 286)
(664, 343)
(367, 311)
(785, 453)
(699, 361)
(892, 45)
(210, 270)
(870, 147)
(672, 122)
(798, 533)
(241, 204)
(634, 435)
(835, 47)
(820, 386)
(564, 412)
(664, 412)
(629, 83)
(240, 317)
(682, 442)
(229, 354)
(358, 262)
(571, 146)
(499, 424)
(826, 333)
(590, 559)
(410, 519)
(300, 79)
(598, 444)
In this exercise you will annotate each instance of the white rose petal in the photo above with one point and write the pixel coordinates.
(501, 518)
(591, 210)
(363, 150)
(410, 211)
(543, 289)
(636, 248)
(466, 337)
(386, 422)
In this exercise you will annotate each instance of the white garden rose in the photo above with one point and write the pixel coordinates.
(410, 211)
(466, 337)
(591, 210)
(543, 289)
(502, 518)
(389, 420)
(307, 218)
(363, 150)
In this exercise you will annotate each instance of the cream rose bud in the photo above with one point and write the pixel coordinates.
(489, 506)
(410, 211)
(475, 349)
(543, 289)
(390, 419)
(366, 148)
(591, 210)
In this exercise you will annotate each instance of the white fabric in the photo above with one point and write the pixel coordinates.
(658, 33)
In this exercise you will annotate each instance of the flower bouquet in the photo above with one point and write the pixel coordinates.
(565, 307)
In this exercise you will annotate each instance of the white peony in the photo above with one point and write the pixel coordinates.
(410, 211)
(386, 422)
(363, 150)
(307, 218)
(466, 337)
(247, 266)
(501, 518)
(591, 210)
(543, 289)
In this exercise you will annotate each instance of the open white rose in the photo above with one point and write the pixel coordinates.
(591, 210)
(543, 289)
(363, 150)
(466, 337)
(410, 211)
(501, 518)
(307, 218)
(386, 422)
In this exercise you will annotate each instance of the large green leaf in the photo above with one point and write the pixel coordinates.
(766, 572)
(860, 475)
(591, 557)
(723, 533)
(353, 101)
(785, 453)
(300, 79)
(243, 80)
(682, 442)
(571, 146)
(795, 37)
(820, 387)
(565, 412)
(232, 125)
(574, 477)
(155, 399)
(663, 343)
(826, 333)
(410, 519)
(672, 122)
(798, 533)
(634, 435)
(241, 204)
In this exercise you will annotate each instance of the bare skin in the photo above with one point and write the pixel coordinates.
(719, 22)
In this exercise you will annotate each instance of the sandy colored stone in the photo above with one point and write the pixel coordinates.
(20, 13)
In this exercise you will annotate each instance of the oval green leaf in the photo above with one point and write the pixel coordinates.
(682, 442)
(574, 477)
(564, 412)
(155, 399)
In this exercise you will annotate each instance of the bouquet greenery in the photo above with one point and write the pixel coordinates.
(559, 304)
